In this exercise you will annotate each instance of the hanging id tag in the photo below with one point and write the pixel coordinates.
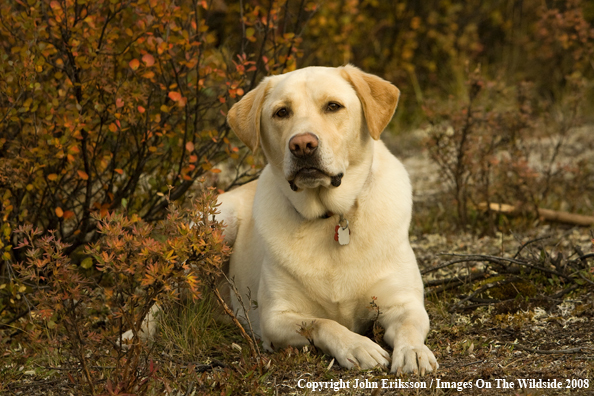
(342, 234)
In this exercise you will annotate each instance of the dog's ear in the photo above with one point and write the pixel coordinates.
(378, 97)
(244, 116)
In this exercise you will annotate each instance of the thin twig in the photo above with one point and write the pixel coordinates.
(456, 279)
(553, 351)
(444, 265)
(529, 243)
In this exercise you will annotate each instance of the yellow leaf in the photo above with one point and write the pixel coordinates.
(87, 263)
(52, 177)
(59, 212)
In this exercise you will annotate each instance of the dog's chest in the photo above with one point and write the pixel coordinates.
(334, 273)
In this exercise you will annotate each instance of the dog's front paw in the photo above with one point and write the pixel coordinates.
(413, 359)
(362, 353)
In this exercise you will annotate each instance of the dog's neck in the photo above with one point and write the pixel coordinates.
(325, 202)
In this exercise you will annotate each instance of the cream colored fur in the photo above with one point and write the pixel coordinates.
(284, 252)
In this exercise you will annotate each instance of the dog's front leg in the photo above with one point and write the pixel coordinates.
(350, 349)
(406, 327)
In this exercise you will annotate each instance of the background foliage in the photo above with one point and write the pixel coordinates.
(111, 109)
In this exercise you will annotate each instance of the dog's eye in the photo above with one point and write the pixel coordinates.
(332, 107)
(282, 113)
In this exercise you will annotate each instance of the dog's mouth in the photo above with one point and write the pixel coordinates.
(310, 176)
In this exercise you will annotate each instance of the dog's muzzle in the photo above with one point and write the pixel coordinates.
(306, 164)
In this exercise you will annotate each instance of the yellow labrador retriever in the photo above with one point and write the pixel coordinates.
(325, 228)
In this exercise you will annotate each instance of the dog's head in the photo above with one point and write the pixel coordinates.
(315, 123)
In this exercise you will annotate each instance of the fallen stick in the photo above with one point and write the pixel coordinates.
(547, 214)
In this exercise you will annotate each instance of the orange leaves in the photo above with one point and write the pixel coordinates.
(148, 60)
(83, 175)
(178, 98)
(190, 146)
(59, 212)
(52, 177)
(175, 96)
(236, 92)
(134, 63)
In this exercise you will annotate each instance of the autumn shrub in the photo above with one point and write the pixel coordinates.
(104, 104)
(85, 309)
(117, 105)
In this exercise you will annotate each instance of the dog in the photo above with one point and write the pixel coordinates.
(323, 232)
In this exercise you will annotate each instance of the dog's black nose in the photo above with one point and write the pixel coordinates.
(303, 145)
